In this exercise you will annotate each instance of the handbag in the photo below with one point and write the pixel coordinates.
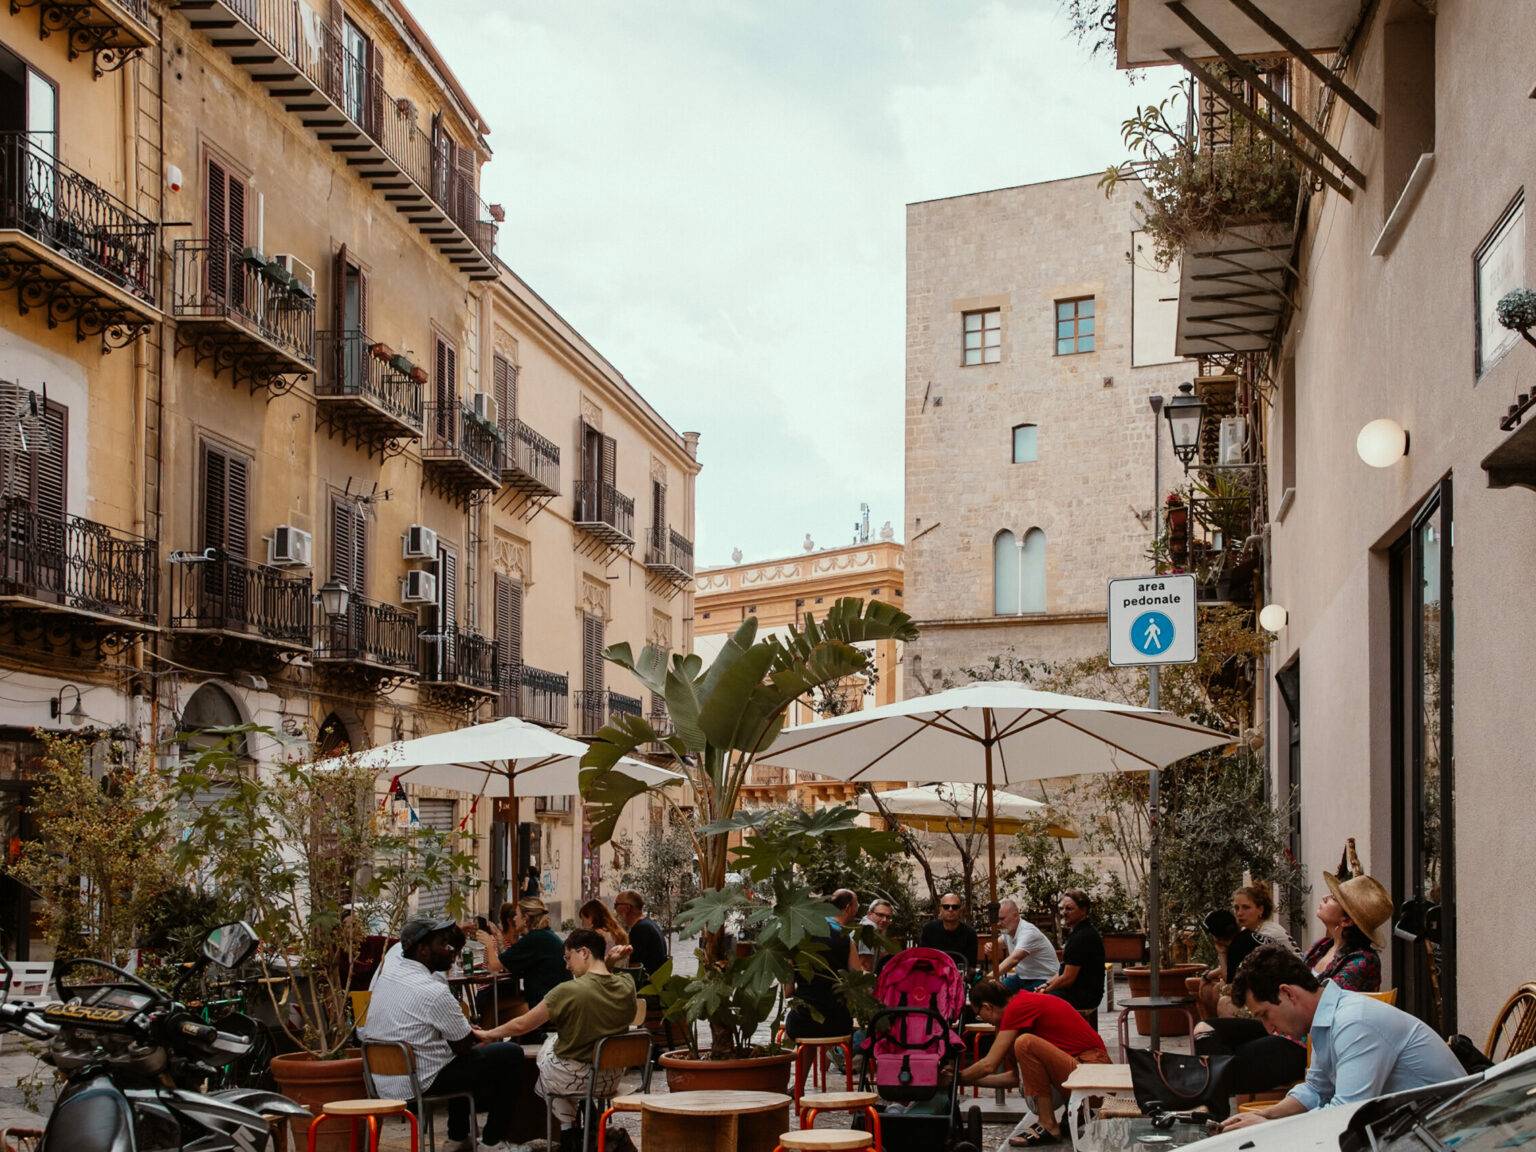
(1181, 1083)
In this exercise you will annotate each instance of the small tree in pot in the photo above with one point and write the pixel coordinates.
(723, 718)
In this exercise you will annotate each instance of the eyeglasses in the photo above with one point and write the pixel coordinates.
(879, 915)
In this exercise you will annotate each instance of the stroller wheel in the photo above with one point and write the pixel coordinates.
(973, 1125)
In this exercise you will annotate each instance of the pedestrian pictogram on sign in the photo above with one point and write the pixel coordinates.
(1152, 620)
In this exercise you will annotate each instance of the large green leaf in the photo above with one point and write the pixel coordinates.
(737, 822)
(683, 708)
(802, 916)
(607, 791)
(709, 911)
(731, 713)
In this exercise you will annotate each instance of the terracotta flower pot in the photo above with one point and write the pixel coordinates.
(1125, 947)
(313, 1083)
(1170, 1022)
(768, 1073)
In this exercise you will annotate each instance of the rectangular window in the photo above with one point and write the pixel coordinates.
(224, 212)
(1074, 326)
(983, 337)
(504, 388)
(354, 72)
(594, 711)
(1500, 264)
(226, 501)
(34, 468)
(1025, 444)
(445, 392)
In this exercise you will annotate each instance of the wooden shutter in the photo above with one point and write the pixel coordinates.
(349, 546)
(375, 91)
(440, 159)
(362, 300)
(593, 705)
(504, 388)
(607, 503)
(218, 230)
(465, 206)
(448, 586)
(237, 507)
(50, 464)
(445, 392)
(226, 495)
(659, 512)
(509, 620)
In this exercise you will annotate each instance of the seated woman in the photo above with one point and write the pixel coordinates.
(1351, 914)
(599, 918)
(526, 949)
(1253, 907)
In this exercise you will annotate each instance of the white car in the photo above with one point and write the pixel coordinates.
(1495, 1109)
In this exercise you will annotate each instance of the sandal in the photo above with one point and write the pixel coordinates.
(1034, 1137)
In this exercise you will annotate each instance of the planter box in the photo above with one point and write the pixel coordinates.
(1171, 979)
(1125, 947)
(312, 1083)
(754, 1074)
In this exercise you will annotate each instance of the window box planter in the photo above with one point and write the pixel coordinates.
(402, 364)
(382, 351)
(418, 375)
(252, 258)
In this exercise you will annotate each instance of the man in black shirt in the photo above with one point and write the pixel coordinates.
(819, 1009)
(949, 933)
(648, 947)
(1081, 980)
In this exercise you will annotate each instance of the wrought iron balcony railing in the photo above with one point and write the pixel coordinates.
(622, 705)
(605, 512)
(112, 31)
(77, 564)
(372, 633)
(670, 553)
(73, 216)
(225, 594)
(217, 280)
(366, 389)
(545, 697)
(532, 462)
(590, 712)
(460, 448)
(456, 656)
(342, 98)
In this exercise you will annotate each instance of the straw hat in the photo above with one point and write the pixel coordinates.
(1364, 901)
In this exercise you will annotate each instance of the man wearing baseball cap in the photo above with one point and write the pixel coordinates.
(411, 1006)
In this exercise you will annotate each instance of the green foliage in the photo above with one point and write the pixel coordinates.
(1044, 871)
(99, 857)
(1516, 310)
(310, 861)
(829, 864)
(1195, 191)
(663, 872)
(775, 909)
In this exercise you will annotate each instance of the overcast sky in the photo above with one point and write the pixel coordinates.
(713, 194)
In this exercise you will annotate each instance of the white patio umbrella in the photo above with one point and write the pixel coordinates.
(938, 807)
(508, 757)
(992, 733)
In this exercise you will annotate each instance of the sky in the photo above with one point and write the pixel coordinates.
(714, 194)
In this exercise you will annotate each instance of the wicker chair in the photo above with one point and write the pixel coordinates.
(1514, 1029)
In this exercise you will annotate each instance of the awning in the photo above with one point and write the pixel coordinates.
(1232, 288)
(1146, 29)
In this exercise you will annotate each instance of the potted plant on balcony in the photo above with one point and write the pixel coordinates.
(418, 375)
(722, 718)
(311, 861)
(382, 352)
(253, 259)
(1193, 189)
(401, 363)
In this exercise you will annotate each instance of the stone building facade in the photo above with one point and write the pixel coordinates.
(255, 339)
(1029, 450)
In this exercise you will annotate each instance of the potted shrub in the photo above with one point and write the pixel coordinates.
(314, 866)
(722, 718)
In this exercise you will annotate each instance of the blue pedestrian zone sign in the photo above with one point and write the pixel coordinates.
(1152, 620)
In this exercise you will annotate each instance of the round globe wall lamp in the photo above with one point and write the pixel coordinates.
(1273, 617)
(1382, 443)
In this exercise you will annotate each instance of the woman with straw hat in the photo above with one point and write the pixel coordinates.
(1352, 915)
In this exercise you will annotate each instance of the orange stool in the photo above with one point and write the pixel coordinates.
(633, 1102)
(811, 1053)
(824, 1140)
(370, 1112)
(973, 1036)
(814, 1103)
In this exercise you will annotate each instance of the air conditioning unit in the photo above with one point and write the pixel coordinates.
(289, 547)
(420, 543)
(303, 275)
(419, 587)
(485, 407)
(1233, 440)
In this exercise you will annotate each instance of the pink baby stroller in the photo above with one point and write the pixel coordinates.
(912, 1053)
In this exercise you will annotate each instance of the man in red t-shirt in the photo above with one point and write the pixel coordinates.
(1045, 1038)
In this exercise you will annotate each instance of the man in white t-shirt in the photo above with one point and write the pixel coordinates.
(412, 1005)
(1028, 958)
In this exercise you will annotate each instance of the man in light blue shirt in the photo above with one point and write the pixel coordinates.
(1361, 1047)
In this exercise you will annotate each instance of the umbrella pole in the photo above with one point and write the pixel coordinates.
(991, 826)
(1154, 911)
(516, 892)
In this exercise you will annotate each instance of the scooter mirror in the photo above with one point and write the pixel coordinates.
(230, 945)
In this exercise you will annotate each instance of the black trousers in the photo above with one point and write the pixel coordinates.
(489, 1071)
(1262, 1062)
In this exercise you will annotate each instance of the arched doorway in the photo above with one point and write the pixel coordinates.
(206, 719)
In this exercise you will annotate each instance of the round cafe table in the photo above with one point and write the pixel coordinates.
(713, 1121)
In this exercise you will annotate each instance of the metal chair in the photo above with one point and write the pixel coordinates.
(620, 1054)
(394, 1058)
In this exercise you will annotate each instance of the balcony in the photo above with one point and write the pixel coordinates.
(239, 314)
(256, 606)
(367, 393)
(112, 31)
(545, 697)
(460, 453)
(531, 463)
(71, 249)
(590, 712)
(373, 641)
(299, 57)
(669, 555)
(71, 566)
(605, 514)
(459, 659)
(622, 705)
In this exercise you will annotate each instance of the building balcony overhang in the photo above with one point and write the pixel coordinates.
(530, 465)
(361, 394)
(112, 31)
(266, 41)
(67, 291)
(1233, 290)
(1145, 30)
(1513, 463)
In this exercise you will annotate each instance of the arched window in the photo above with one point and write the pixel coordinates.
(209, 709)
(1032, 572)
(1026, 448)
(1005, 574)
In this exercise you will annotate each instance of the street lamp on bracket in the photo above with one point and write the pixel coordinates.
(1186, 416)
(334, 599)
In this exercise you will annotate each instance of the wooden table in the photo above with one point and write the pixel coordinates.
(1094, 1080)
(714, 1121)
